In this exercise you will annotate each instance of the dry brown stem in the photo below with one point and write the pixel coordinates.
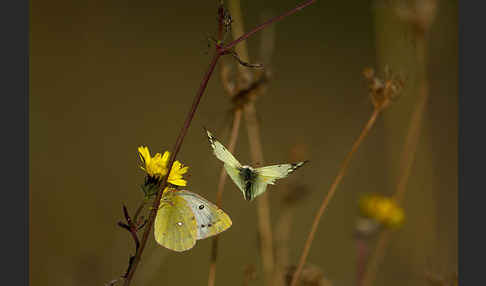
(327, 198)
(253, 129)
(219, 197)
(263, 207)
(293, 192)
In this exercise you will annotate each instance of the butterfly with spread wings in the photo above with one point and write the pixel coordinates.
(251, 181)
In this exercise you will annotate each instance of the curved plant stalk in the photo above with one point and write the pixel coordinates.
(331, 192)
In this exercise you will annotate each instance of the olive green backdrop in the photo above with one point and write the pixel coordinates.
(108, 76)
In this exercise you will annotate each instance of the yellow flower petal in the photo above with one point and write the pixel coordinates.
(183, 170)
(165, 158)
(178, 182)
(175, 176)
(144, 154)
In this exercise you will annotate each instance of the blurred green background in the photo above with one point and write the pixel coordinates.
(109, 76)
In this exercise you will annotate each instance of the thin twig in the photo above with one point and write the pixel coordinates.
(282, 234)
(362, 249)
(263, 206)
(263, 209)
(219, 52)
(292, 192)
(219, 196)
(331, 192)
(375, 258)
(263, 25)
(138, 211)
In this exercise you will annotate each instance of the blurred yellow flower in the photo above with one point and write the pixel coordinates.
(382, 209)
(156, 166)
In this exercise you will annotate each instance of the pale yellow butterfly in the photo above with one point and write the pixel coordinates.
(184, 217)
(251, 181)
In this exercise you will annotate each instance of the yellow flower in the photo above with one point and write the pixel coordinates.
(156, 166)
(382, 209)
(175, 176)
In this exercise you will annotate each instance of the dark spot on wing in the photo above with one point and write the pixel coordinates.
(202, 225)
(209, 225)
(201, 207)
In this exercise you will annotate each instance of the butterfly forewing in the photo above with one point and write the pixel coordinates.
(231, 165)
(175, 225)
(222, 153)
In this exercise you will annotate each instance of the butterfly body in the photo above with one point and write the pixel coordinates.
(251, 181)
(184, 217)
(248, 176)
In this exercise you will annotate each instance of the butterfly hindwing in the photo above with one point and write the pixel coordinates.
(235, 175)
(175, 224)
(210, 219)
(258, 187)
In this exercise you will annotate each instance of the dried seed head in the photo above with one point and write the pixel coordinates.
(311, 276)
(250, 92)
(383, 91)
